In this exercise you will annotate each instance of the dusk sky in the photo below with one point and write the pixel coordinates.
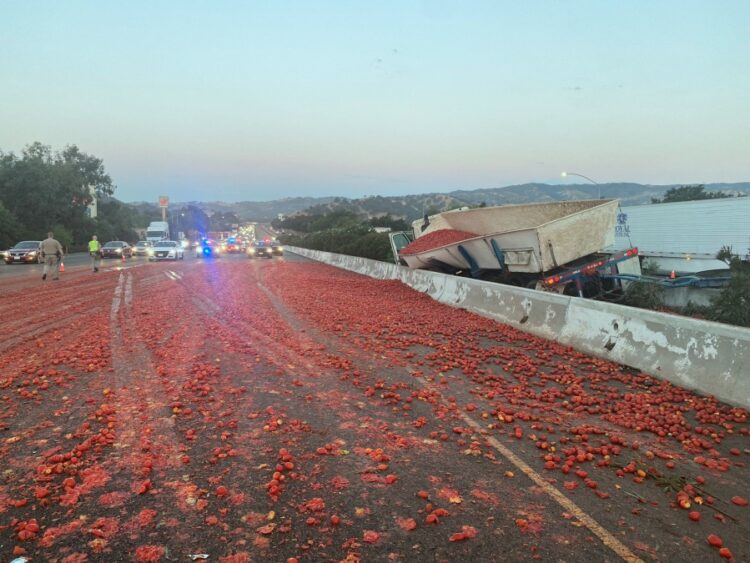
(257, 101)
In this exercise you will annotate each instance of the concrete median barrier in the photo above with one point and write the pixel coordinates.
(709, 357)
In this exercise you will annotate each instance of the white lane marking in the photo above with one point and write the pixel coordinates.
(129, 289)
(116, 298)
(606, 537)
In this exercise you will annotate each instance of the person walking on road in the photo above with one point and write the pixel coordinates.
(52, 253)
(95, 250)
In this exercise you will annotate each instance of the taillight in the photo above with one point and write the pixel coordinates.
(632, 252)
(552, 280)
(594, 266)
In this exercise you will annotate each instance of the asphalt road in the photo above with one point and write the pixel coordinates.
(76, 260)
(279, 409)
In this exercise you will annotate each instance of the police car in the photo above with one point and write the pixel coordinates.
(166, 250)
(267, 248)
(233, 244)
(208, 249)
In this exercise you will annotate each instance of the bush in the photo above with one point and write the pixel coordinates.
(642, 294)
(355, 240)
(62, 235)
(732, 305)
(10, 229)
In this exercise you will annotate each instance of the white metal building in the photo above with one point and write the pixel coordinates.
(685, 236)
(91, 209)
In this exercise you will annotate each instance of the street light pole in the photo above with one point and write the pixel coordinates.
(599, 195)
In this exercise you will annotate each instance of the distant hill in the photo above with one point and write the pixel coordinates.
(262, 211)
(628, 193)
(413, 206)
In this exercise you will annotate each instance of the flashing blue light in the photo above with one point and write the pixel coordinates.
(206, 250)
(231, 240)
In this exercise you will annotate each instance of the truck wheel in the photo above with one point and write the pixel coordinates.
(570, 289)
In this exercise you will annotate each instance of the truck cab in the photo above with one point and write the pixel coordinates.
(157, 231)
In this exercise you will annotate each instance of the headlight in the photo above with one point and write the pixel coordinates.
(32, 253)
(281, 249)
(185, 244)
(118, 250)
(150, 252)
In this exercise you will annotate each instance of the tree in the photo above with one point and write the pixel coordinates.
(194, 219)
(393, 223)
(341, 231)
(42, 188)
(732, 305)
(688, 193)
(224, 220)
(642, 293)
(10, 229)
(63, 235)
(115, 221)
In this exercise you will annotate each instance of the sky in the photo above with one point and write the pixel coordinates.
(256, 101)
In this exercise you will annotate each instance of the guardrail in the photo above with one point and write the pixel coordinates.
(711, 358)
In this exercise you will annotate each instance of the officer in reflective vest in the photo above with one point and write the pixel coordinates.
(95, 251)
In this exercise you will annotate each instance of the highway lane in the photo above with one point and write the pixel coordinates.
(81, 261)
(78, 260)
(275, 409)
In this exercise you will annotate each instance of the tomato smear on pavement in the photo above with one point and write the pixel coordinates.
(290, 410)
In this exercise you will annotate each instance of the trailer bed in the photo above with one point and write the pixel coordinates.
(527, 238)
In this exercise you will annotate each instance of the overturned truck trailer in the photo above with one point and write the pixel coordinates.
(555, 246)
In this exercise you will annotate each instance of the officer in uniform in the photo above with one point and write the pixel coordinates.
(95, 250)
(52, 253)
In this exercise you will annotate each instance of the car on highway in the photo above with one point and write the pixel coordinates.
(142, 247)
(117, 249)
(267, 248)
(25, 252)
(208, 248)
(166, 250)
(233, 245)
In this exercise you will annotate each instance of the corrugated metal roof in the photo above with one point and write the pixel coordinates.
(689, 227)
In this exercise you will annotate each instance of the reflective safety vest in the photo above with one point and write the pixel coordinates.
(94, 246)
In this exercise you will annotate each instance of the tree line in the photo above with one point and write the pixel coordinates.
(43, 190)
(689, 193)
(341, 231)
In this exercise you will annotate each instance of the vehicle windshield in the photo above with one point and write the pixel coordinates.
(113, 245)
(27, 245)
(143, 243)
(167, 243)
(155, 234)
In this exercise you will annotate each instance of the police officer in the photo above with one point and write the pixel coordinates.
(52, 253)
(95, 250)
